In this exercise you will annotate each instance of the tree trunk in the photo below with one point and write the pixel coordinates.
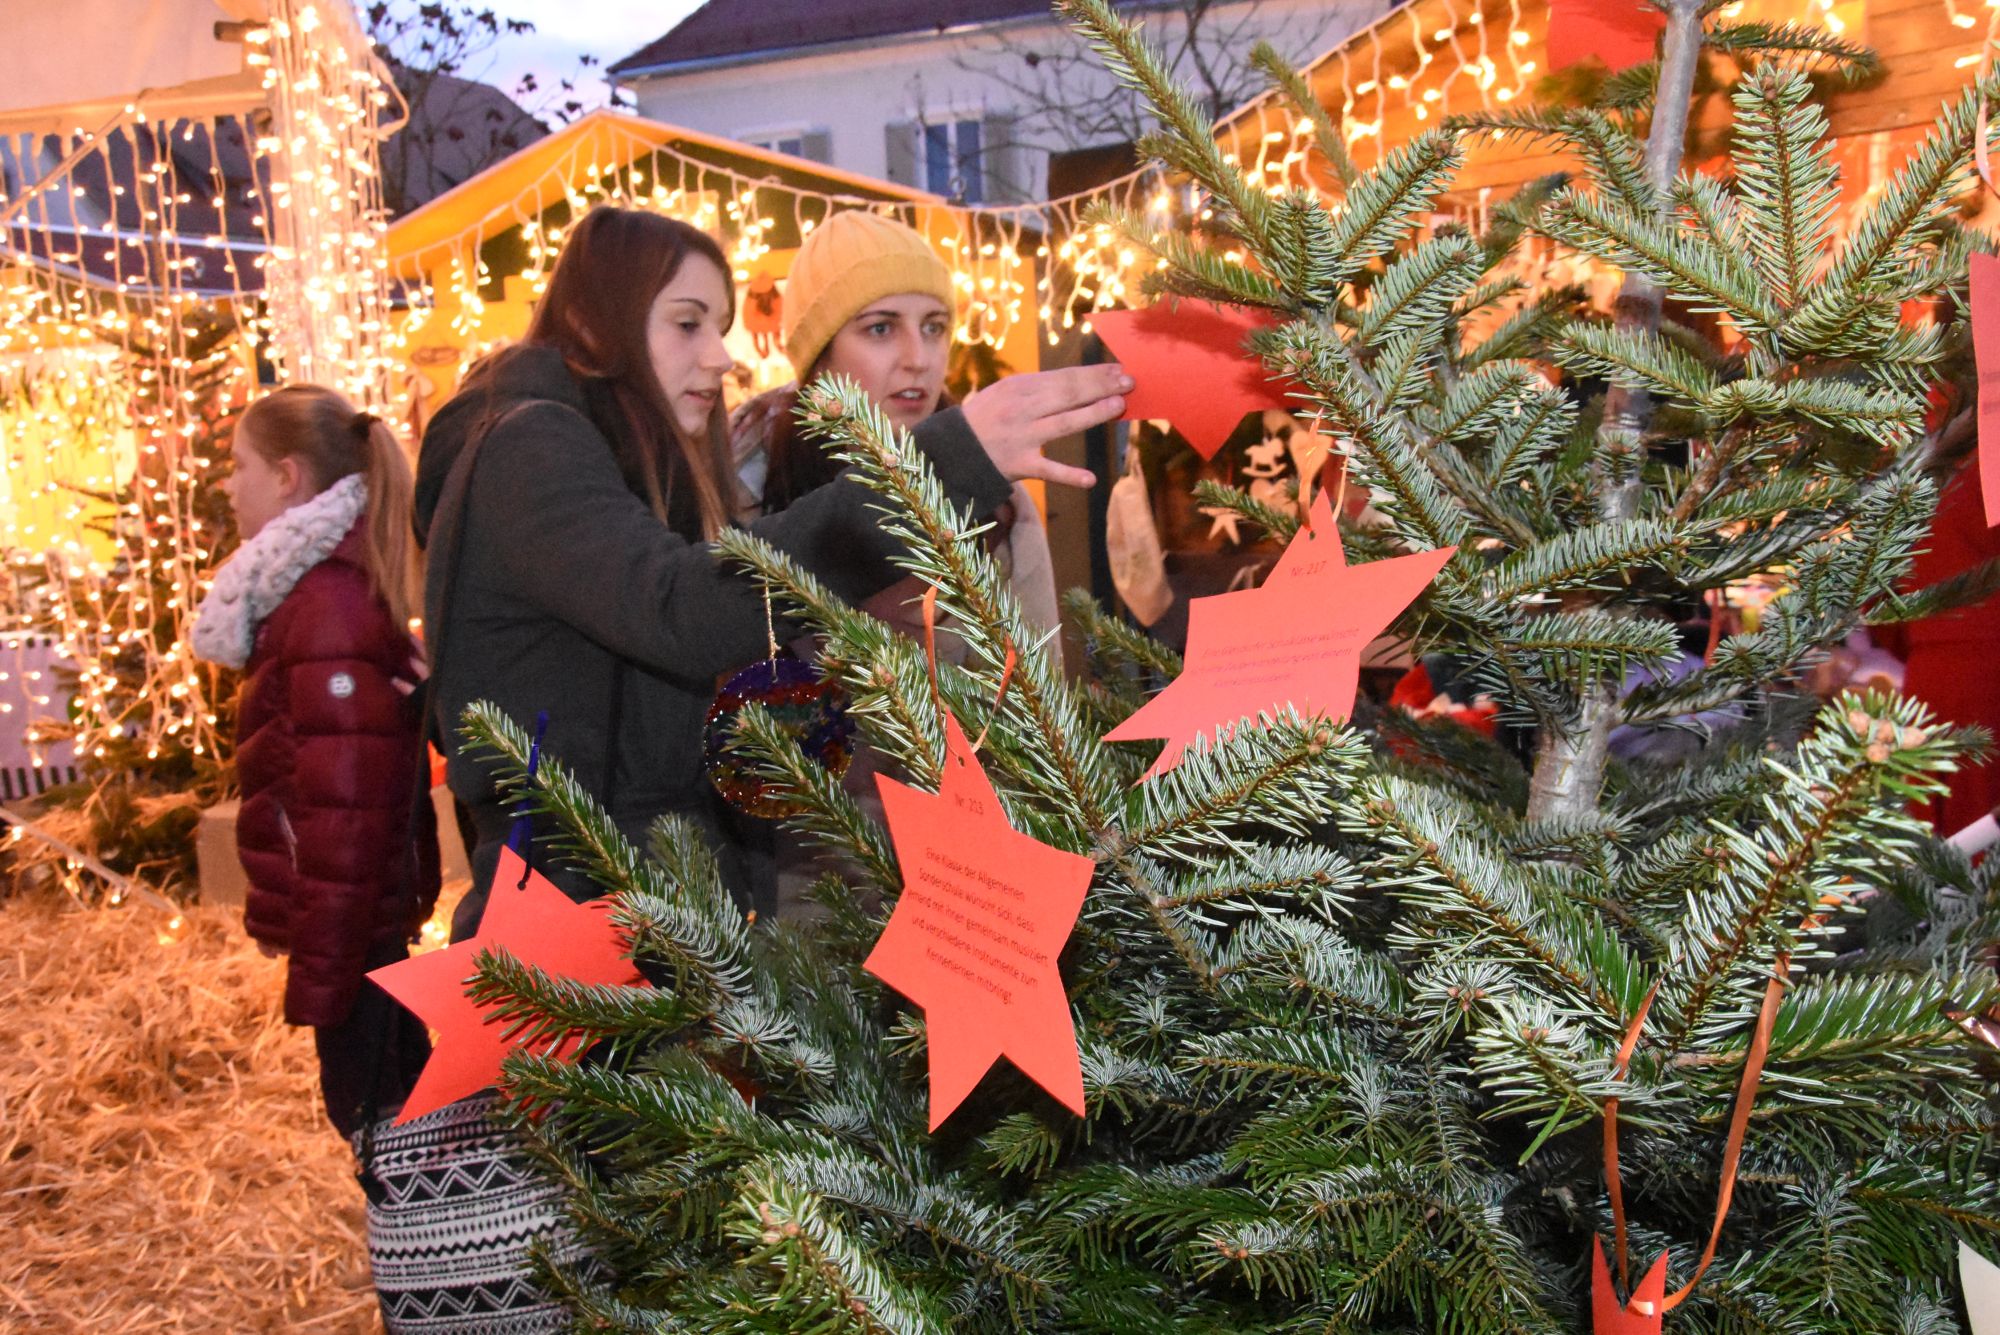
(1569, 764)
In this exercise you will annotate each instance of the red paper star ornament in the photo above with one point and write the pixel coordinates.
(1295, 642)
(536, 924)
(1641, 1314)
(974, 938)
(1190, 366)
(1621, 33)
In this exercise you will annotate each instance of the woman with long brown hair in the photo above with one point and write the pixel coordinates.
(567, 495)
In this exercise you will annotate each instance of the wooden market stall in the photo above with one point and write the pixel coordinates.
(1431, 59)
(472, 261)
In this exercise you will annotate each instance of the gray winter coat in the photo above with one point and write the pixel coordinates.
(572, 597)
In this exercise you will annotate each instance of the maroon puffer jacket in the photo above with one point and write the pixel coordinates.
(327, 756)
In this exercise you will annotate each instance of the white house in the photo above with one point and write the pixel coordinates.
(963, 98)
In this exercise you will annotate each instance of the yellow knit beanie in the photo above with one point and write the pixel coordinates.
(849, 260)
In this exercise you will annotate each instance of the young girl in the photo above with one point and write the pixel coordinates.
(566, 496)
(335, 831)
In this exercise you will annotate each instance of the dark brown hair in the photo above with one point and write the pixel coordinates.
(322, 430)
(613, 265)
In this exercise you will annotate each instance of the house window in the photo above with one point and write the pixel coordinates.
(953, 163)
(812, 145)
(971, 159)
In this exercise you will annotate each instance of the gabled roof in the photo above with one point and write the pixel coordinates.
(542, 174)
(733, 29)
(96, 226)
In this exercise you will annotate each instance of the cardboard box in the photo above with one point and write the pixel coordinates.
(222, 879)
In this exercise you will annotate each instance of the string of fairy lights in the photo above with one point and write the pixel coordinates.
(108, 366)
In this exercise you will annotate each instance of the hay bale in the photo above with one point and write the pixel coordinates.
(165, 1164)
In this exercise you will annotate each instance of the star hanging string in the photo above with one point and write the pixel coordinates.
(1190, 367)
(537, 924)
(984, 914)
(1295, 642)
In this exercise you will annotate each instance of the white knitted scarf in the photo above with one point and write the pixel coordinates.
(262, 572)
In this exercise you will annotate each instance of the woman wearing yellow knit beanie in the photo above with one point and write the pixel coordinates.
(869, 299)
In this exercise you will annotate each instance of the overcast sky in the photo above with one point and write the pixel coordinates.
(566, 29)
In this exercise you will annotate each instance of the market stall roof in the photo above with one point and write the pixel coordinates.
(90, 224)
(80, 63)
(1426, 59)
(525, 184)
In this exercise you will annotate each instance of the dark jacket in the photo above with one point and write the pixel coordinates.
(328, 757)
(571, 597)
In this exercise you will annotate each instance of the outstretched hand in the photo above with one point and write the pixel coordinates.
(1017, 417)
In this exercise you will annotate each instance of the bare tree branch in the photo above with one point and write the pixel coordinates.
(1058, 85)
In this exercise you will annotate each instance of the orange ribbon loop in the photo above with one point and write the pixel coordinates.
(930, 644)
(1739, 1124)
(1613, 1183)
(930, 657)
(1739, 1120)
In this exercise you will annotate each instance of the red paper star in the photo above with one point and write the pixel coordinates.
(1621, 33)
(1190, 367)
(984, 913)
(536, 924)
(1294, 642)
(1642, 1314)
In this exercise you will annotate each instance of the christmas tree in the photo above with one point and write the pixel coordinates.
(1373, 1038)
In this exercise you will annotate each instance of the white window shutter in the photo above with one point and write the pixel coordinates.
(1003, 161)
(901, 138)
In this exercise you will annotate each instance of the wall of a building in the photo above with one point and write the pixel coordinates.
(853, 94)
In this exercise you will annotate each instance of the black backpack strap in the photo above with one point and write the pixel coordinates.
(448, 544)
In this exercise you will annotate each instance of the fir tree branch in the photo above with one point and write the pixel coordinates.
(1071, 768)
(1279, 525)
(1326, 133)
(1189, 143)
(1786, 185)
(1784, 868)
(1377, 210)
(825, 1278)
(826, 810)
(1853, 62)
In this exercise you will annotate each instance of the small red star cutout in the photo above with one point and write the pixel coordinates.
(1621, 33)
(1295, 642)
(1642, 1314)
(974, 938)
(1190, 367)
(536, 924)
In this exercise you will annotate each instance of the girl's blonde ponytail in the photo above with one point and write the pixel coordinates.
(392, 565)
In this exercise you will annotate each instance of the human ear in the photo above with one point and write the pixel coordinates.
(291, 479)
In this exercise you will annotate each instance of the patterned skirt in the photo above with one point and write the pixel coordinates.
(454, 1203)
